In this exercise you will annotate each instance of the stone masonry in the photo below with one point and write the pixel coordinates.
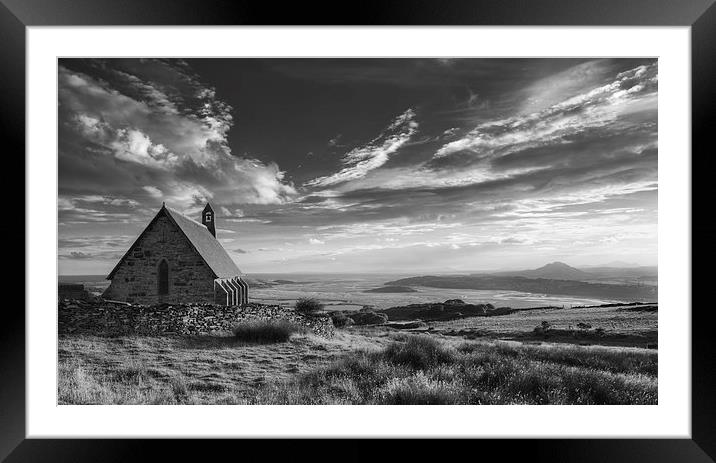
(102, 318)
(136, 280)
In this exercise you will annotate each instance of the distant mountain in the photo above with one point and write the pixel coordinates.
(553, 271)
(616, 292)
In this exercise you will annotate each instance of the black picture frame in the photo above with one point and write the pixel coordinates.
(700, 15)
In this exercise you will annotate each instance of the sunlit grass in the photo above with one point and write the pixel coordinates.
(421, 370)
(408, 369)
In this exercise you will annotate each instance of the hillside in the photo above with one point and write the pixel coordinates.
(534, 285)
(624, 272)
(391, 289)
(552, 271)
(614, 272)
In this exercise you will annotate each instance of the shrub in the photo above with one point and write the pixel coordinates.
(368, 318)
(307, 305)
(266, 331)
(341, 320)
(542, 328)
(419, 352)
(491, 310)
(583, 326)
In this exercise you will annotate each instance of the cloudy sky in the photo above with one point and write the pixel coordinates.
(350, 165)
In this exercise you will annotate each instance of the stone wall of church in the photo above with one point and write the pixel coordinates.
(136, 280)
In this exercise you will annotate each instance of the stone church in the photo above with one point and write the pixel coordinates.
(177, 259)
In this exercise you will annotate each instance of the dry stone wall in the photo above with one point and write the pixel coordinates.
(104, 318)
(72, 291)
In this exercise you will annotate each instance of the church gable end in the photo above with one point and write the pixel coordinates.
(162, 266)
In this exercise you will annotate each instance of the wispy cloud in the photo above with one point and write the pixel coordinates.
(612, 126)
(96, 208)
(76, 255)
(153, 191)
(631, 91)
(374, 154)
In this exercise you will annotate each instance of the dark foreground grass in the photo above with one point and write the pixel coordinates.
(266, 331)
(421, 370)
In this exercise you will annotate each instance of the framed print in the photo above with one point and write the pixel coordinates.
(251, 222)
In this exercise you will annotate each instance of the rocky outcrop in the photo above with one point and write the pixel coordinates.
(106, 318)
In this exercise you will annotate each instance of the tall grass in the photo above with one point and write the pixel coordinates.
(410, 370)
(419, 352)
(421, 370)
(265, 331)
(128, 385)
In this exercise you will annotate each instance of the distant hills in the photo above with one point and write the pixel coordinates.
(391, 289)
(554, 271)
(562, 271)
(556, 278)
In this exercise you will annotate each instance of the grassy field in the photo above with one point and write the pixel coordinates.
(615, 326)
(359, 366)
(612, 319)
(170, 370)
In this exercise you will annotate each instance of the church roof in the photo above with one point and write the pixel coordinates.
(205, 244)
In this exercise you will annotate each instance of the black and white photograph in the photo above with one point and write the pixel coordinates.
(350, 231)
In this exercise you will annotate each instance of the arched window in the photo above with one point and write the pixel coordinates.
(163, 278)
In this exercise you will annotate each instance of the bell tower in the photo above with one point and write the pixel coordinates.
(208, 219)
